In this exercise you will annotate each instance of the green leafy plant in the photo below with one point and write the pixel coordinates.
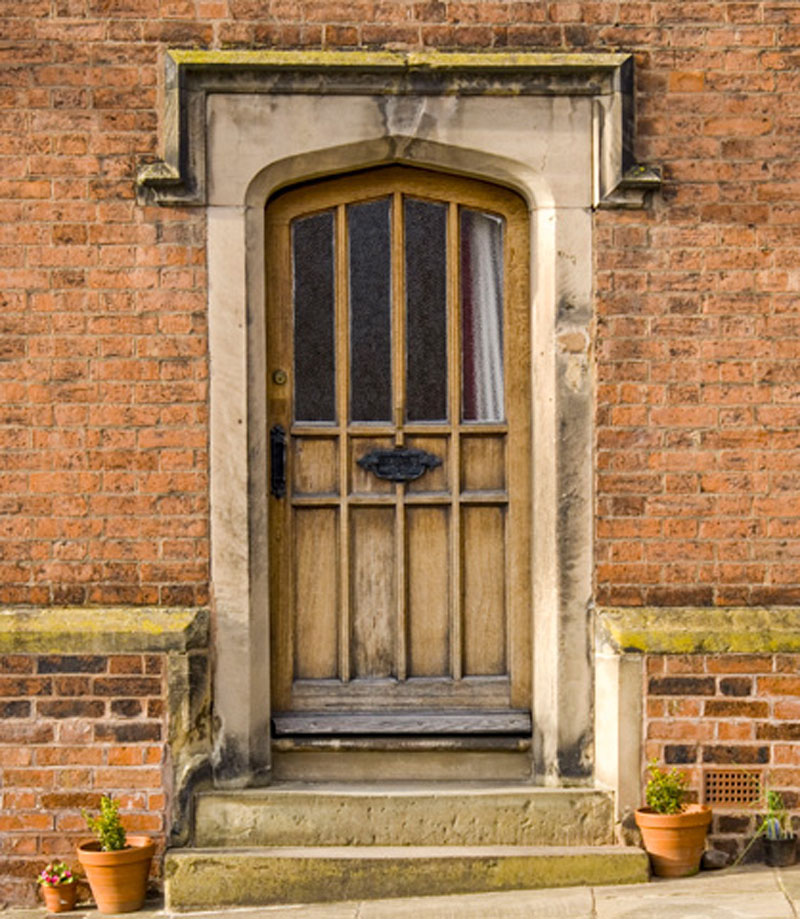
(107, 826)
(55, 874)
(776, 823)
(665, 792)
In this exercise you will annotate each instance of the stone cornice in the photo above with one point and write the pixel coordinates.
(179, 178)
(102, 630)
(698, 630)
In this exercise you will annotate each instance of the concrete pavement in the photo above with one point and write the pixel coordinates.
(755, 892)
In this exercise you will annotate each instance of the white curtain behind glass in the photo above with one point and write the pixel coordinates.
(482, 315)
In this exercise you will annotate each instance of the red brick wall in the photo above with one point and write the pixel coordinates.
(75, 727)
(103, 391)
(722, 712)
(698, 320)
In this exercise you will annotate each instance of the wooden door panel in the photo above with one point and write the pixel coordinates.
(438, 478)
(483, 465)
(314, 465)
(316, 596)
(393, 596)
(428, 598)
(430, 693)
(363, 482)
(373, 597)
(483, 590)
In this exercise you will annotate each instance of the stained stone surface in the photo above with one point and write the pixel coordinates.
(755, 892)
(404, 816)
(212, 878)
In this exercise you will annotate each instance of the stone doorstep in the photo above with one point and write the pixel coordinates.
(414, 815)
(197, 879)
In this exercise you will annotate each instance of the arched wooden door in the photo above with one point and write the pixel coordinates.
(400, 416)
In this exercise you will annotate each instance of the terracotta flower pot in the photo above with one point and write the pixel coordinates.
(59, 899)
(674, 842)
(118, 879)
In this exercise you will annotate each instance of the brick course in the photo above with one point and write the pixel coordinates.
(73, 730)
(693, 729)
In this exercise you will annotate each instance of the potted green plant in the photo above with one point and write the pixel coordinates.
(780, 843)
(778, 840)
(673, 832)
(59, 890)
(117, 865)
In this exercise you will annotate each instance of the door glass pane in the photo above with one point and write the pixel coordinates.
(368, 229)
(426, 310)
(313, 283)
(482, 316)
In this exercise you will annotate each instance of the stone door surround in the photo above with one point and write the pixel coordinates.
(556, 128)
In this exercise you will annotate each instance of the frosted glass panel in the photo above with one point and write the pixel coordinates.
(370, 311)
(426, 310)
(312, 274)
(482, 316)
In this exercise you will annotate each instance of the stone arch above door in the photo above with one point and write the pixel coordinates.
(557, 129)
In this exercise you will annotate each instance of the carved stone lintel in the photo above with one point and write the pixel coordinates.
(192, 75)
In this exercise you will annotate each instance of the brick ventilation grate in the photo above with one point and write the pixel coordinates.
(728, 787)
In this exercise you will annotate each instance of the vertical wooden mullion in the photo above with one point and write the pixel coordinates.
(454, 406)
(519, 452)
(399, 393)
(280, 346)
(342, 416)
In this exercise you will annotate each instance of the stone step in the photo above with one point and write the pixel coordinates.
(199, 879)
(428, 815)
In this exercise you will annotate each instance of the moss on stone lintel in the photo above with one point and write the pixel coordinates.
(700, 630)
(102, 630)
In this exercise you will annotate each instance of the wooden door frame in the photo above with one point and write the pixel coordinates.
(254, 141)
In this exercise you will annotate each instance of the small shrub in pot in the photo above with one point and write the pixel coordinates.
(117, 866)
(673, 831)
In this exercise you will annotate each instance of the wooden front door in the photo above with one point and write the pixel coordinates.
(399, 409)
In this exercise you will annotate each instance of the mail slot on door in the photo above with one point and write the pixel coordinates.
(400, 464)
